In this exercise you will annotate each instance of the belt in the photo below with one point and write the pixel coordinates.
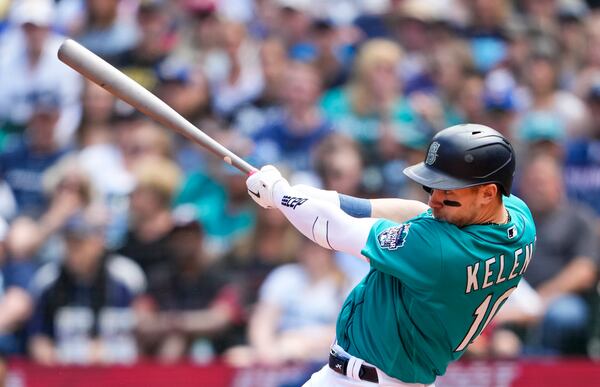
(339, 364)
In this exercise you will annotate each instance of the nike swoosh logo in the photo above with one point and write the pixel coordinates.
(257, 194)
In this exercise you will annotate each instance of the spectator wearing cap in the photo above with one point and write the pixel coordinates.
(582, 163)
(564, 272)
(294, 19)
(541, 131)
(501, 102)
(192, 310)
(29, 66)
(106, 29)
(185, 88)
(157, 37)
(22, 167)
(291, 137)
(83, 310)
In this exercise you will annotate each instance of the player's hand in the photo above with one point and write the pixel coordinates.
(261, 184)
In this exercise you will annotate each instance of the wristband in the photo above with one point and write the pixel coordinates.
(356, 207)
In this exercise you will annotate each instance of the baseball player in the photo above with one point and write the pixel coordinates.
(439, 272)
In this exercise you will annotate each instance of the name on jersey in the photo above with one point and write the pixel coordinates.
(393, 237)
(498, 269)
(292, 202)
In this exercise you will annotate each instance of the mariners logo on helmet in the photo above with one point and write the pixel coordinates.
(393, 237)
(432, 153)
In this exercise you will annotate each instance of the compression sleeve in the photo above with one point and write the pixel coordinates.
(357, 207)
(353, 206)
(325, 224)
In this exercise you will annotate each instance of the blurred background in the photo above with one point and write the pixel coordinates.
(124, 246)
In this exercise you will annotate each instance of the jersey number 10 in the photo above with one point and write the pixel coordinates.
(480, 313)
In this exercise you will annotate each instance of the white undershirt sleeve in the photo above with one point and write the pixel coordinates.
(324, 223)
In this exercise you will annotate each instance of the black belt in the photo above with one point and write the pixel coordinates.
(339, 364)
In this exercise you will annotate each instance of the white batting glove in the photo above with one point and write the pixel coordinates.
(261, 185)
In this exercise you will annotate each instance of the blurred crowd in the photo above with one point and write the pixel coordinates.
(120, 240)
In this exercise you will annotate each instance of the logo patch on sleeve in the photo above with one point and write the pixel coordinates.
(292, 202)
(393, 237)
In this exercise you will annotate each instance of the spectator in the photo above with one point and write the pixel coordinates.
(243, 81)
(544, 94)
(589, 72)
(150, 222)
(69, 190)
(157, 38)
(371, 109)
(501, 102)
(566, 260)
(295, 317)
(29, 67)
(194, 308)
(255, 115)
(292, 23)
(486, 34)
(471, 101)
(290, 138)
(83, 312)
(185, 88)
(106, 29)
(541, 132)
(220, 199)
(451, 66)
(271, 243)
(22, 167)
(15, 301)
(582, 165)
(141, 139)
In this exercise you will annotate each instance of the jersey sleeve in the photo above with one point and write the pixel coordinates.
(409, 251)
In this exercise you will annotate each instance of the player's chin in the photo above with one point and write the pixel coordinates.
(438, 214)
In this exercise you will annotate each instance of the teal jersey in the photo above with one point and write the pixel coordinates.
(431, 290)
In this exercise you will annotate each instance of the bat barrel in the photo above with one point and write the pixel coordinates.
(102, 73)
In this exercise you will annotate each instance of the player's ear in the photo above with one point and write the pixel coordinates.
(489, 192)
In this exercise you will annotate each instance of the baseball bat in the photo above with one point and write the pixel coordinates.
(120, 85)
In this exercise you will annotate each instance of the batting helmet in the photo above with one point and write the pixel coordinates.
(465, 156)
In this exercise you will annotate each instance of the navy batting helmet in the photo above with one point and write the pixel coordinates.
(465, 156)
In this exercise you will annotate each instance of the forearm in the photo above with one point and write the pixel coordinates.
(322, 222)
(396, 209)
(205, 322)
(578, 276)
(16, 307)
(42, 351)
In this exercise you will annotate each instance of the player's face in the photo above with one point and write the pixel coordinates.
(458, 206)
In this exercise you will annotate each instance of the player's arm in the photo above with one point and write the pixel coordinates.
(319, 220)
(398, 210)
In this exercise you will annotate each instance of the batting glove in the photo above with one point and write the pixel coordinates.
(261, 186)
